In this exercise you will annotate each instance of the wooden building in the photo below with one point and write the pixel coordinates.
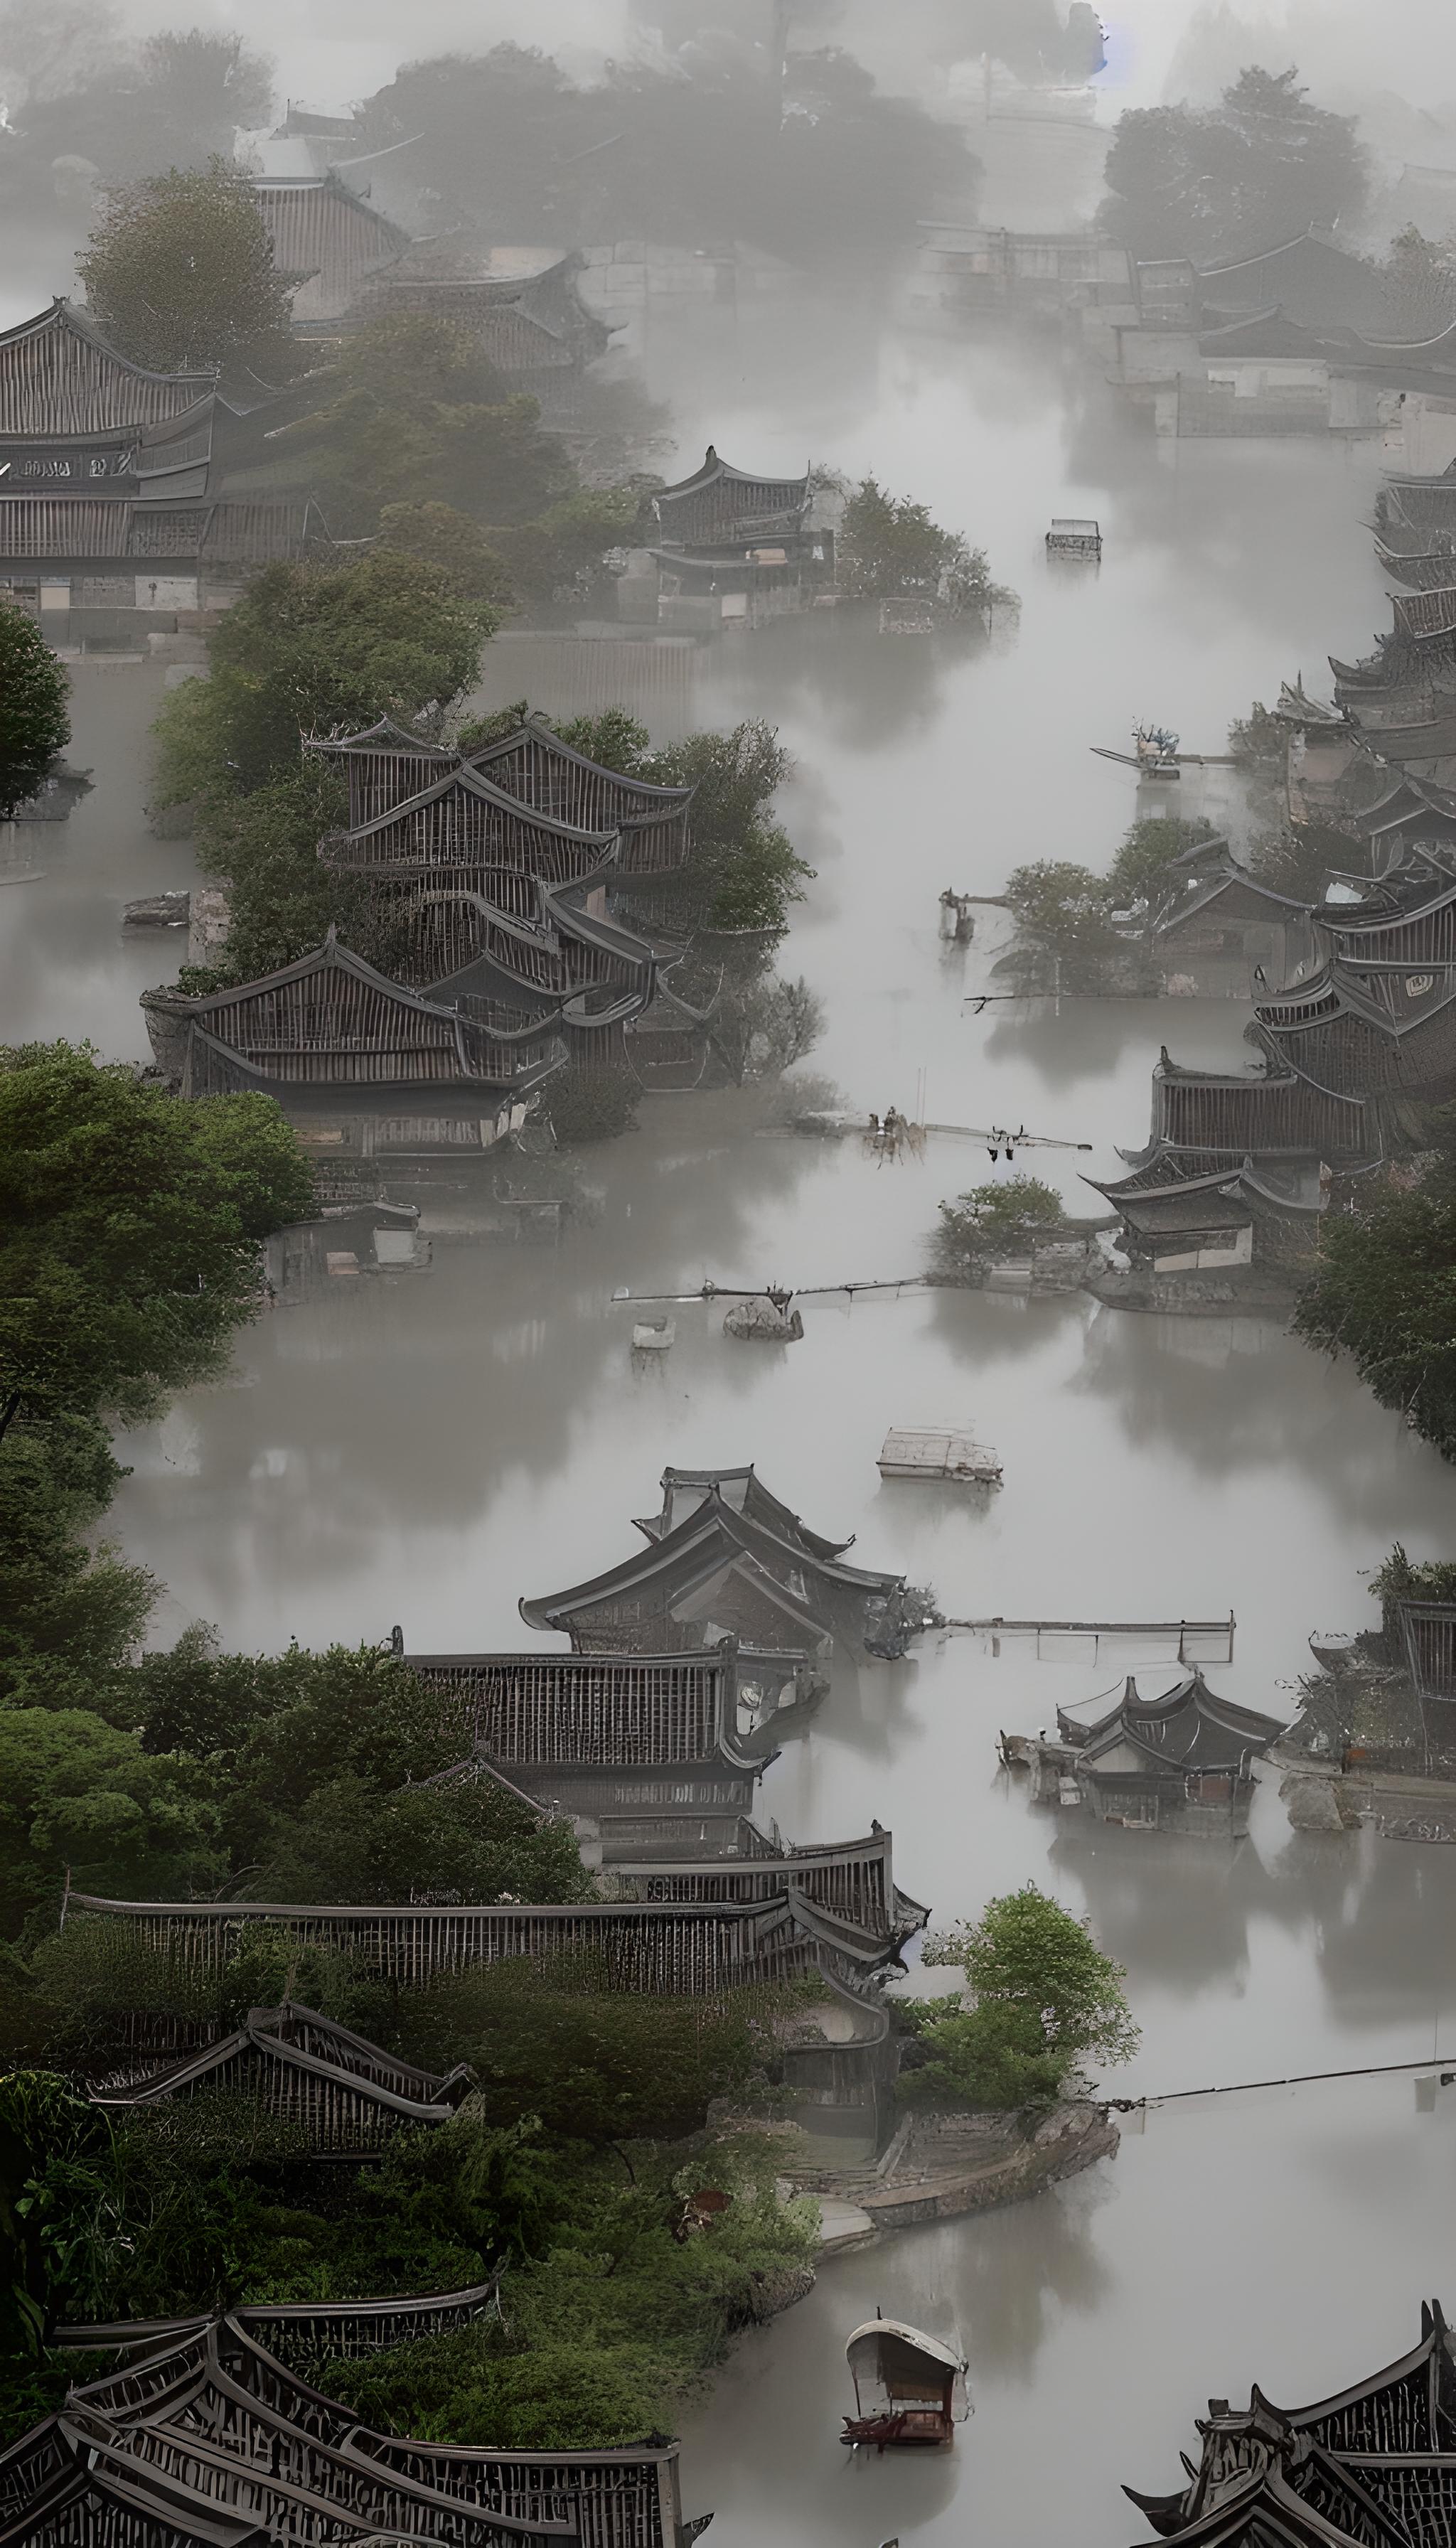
(1244, 1114)
(1214, 927)
(330, 240)
(113, 484)
(729, 546)
(198, 2437)
(1180, 1763)
(345, 2095)
(696, 1947)
(1379, 1013)
(722, 1557)
(502, 899)
(1373, 2463)
(642, 1744)
(363, 1066)
(522, 308)
(1184, 1215)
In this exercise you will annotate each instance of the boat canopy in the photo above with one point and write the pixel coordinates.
(894, 2366)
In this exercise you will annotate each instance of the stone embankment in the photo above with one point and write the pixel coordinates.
(939, 2166)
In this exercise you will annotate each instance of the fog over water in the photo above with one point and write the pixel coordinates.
(428, 1449)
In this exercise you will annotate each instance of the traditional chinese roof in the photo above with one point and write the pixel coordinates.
(1215, 1199)
(201, 2434)
(1365, 1023)
(718, 503)
(329, 1022)
(681, 1568)
(684, 1491)
(1374, 2465)
(1188, 1728)
(328, 238)
(1228, 891)
(1423, 616)
(1246, 1116)
(1312, 283)
(59, 376)
(461, 819)
(344, 2092)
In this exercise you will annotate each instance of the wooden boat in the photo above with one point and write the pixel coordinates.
(1069, 537)
(909, 2389)
(913, 1451)
(652, 1335)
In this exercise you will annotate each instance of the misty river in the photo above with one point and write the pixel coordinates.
(427, 1449)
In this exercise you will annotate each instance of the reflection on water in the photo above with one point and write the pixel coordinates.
(1281, 2237)
(427, 1449)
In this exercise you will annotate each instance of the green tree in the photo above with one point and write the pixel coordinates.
(59, 2208)
(35, 719)
(1040, 1999)
(410, 411)
(69, 1612)
(1385, 1295)
(315, 650)
(1148, 855)
(78, 1794)
(1264, 166)
(990, 1220)
(179, 272)
(614, 738)
(888, 546)
(457, 547)
(281, 898)
(744, 871)
(763, 1026)
(1063, 921)
(129, 1224)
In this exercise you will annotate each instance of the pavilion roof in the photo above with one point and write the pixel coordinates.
(715, 472)
(709, 1538)
(318, 2056)
(59, 376)
(1373, 2465)
(684, 1491)
(1188, 1728)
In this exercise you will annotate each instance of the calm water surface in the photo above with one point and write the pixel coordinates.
(427, 1449)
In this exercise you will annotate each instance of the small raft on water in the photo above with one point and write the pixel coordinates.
(909, 2388)
(652, 1335)
(914, 1451)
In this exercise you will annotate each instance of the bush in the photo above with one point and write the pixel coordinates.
(591, 1102)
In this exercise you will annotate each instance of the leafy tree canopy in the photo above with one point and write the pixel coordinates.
(129, 1224)
(991, 1218)
(834, 173)
(1264, 166)
(68, 1612)
(34, 710)
(1150, 851)
(316, 648)
(1386, 1295)
(179, 272)
(76, 1793)
(1040, 1999)
(888, 546)
(410, 411)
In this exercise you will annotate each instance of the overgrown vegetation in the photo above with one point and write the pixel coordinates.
(1385, 1295)
(35, 707)
(1040, 1999)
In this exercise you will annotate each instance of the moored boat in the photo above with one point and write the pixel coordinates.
(909, 2388)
